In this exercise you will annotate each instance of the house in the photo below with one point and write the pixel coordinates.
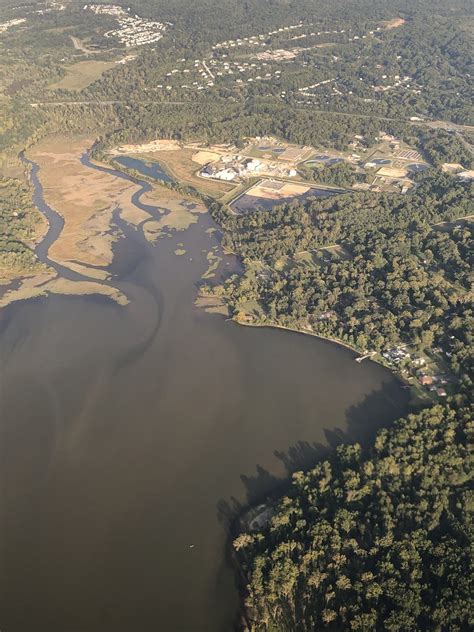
(386, 137)
(466, 176)
(426, 380)
(327, 315)
(419, 362)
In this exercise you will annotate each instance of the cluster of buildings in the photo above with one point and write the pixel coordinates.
(434, 383)
(279, 54)
(230, 168)
(133, 30)
(206, 72)
(399, 82)
(260, 40)
(307, 91)
(255, 40)
(397, 355)
(7, 25)
(114, 10)
(211, 70)
(48, 8)
(51, 6)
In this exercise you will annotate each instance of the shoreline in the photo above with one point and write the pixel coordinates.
(244, 616)
(311, 333)
(336, 341)
(236, 527)
(137, 179)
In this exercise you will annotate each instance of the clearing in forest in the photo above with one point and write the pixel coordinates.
(80, 75)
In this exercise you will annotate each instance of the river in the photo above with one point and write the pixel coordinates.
(129, 434)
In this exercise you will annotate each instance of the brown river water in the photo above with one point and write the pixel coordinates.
(128, 434)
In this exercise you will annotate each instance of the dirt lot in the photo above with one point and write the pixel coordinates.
(394, 24)
(268, 191)
(392, 172)
(152, 146)
(203, 157)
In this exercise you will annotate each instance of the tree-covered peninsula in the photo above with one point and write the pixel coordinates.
(372, 540)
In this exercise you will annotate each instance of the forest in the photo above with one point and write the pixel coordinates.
(36, 56)
(374, 271)
(20, 224)
(375, 539)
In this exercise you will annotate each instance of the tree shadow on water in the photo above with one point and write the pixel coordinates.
(302, 456)
(260, 484)
(257, 487)
(228, 511)
(378, 409)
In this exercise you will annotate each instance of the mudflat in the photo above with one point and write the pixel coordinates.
(84, 197)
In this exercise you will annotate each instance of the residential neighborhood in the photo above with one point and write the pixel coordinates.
(132, 30)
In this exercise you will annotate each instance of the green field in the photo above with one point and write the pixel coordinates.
(82, 74)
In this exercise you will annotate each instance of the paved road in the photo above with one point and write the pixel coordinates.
(99, 102)
(446, 125)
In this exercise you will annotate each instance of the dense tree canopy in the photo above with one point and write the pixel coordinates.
(372, 541)
(372, 270)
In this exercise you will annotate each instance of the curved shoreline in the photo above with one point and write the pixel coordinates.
(336, 341)
(58, 278)
(130, 356)
(146, 185)
(304, 332)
